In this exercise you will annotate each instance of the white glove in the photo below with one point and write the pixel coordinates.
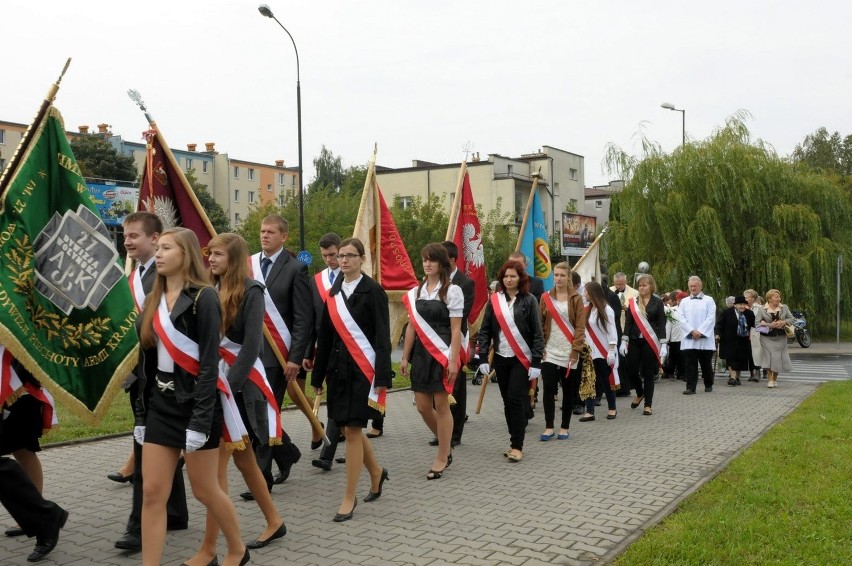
(195, 440)
(610, 358)
(664, 351)
(623, 348)
(139, 434)
(484, 369)
(535, 373)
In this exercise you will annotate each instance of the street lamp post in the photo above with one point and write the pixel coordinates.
(670, 106)
(264, 10)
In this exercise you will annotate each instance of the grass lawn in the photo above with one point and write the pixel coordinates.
(786, 500)
(119, 419)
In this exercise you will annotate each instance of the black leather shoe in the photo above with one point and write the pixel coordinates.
(44, 544)
(340, 460)
(282, 530)
(433, 442)
(117, 477)
(130, 541)
(322, 464)
(708, 389)
(373, 495)
(14, 532)
(247, 496)
(317, 443)
(340, 517)
(689, 392)
(454, 442)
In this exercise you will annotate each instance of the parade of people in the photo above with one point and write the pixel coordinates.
(199, 349)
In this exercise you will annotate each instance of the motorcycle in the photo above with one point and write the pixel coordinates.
(802, 336)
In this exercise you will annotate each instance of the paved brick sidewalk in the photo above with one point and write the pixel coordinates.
(569, 502)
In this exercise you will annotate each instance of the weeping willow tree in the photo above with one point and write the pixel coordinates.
(729, 210)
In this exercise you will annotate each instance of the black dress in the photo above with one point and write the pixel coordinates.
(348, 388)
(427, 374)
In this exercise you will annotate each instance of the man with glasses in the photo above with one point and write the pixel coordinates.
(288, 288)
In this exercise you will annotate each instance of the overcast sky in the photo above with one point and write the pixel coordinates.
(423, 79)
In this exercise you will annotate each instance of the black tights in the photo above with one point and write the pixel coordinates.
(553, 376)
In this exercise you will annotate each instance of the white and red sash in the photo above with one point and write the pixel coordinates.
(11, 386)
(600, 350)
(506, 320)
(560, 319)
(136, 289)
(358, 346)
(184, 352)
(430, 339)
(229, 351)
(272, 319)
(323, 284)
(645, 328)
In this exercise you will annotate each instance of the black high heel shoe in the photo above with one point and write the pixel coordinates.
(340, 517)
(246, 557)
(373, 495)
(449, 460)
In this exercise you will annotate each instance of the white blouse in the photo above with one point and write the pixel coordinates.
(455, 298)
(611, 335)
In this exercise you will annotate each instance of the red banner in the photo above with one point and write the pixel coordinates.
(468, 238)
(397, 273)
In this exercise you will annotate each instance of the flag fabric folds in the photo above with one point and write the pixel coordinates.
(589, 266)
(387, 260)
(534, 242)
(66, 312)
(468, 238)
(166, 192)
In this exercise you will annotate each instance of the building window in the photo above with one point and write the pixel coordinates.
(188, 163)
(236, 172)
(237, 219)
(509, 170)
(281, 179)
(573, 174)
(293, 181)
(251, 197)
(281, 199)
(204, 166)
(452, 198)
(236, 195)
(269, 187)
(598, 204)
(2, 137)
(2, 164)
(251, 174)
(404, 202)
(573, 204)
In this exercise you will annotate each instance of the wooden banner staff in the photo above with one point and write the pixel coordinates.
(528, 210)
(454, 210)
(485, 381)
(296, 394)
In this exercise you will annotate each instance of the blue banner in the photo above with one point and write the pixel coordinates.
(535, 246)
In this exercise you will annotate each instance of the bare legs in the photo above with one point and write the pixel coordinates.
(359, 451)
(158, 469)
(435, 410)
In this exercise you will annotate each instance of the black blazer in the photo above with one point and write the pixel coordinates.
(197, 314)
(536, 287)
(528, 320)
(318, 306)
(289, 287)
(726, 330)
(468, 288)
(615, 304)
(656, 313)
(368, 305)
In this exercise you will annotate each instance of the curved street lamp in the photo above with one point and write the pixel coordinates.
(670, 106)
(267, 12)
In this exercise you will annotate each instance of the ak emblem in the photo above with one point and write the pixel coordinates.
(75, 260)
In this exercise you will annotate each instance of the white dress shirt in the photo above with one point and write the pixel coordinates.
(697, 312)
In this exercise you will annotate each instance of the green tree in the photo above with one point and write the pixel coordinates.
(825, 152)
(330, 174)
(731, 211)
(499, 236)
(100, 160)
(215, 213)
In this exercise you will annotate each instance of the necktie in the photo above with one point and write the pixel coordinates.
(264, 266)
(694, 297)
(331, 277)
(141, 271)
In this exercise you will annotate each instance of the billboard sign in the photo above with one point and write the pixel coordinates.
(578, 233)
(113, 201)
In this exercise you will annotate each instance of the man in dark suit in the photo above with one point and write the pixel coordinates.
(328, 245)
(468, 287)
(288, 285)
(141, 232)
(536, 284)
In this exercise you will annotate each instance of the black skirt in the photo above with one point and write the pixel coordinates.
(427, 374)
(167, 421)
(23, 427)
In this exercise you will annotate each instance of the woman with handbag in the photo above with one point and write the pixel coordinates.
(512, 324)
(773, 318)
